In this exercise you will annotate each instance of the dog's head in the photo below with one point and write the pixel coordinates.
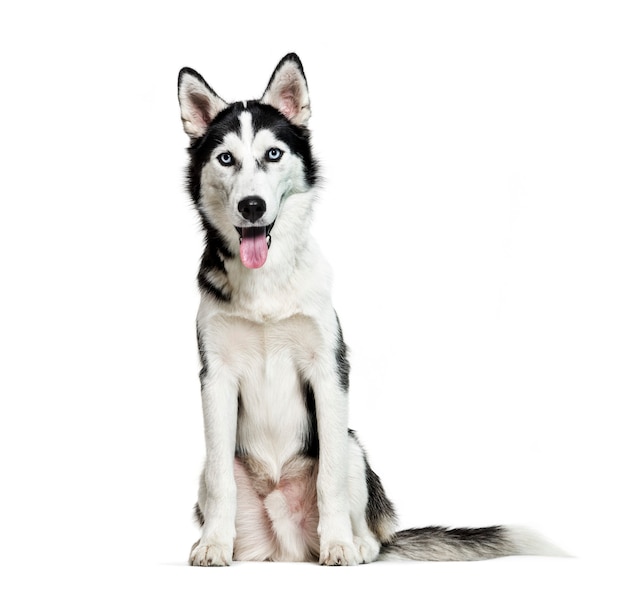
(248, 158)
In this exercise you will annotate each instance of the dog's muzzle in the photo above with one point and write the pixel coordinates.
(254, 241)
(252, 208)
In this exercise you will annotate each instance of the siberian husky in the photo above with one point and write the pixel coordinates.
(284, 477)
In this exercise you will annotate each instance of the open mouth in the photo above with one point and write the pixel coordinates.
(254, 244)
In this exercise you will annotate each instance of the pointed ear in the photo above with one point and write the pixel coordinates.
(198, 103)
(287, 91)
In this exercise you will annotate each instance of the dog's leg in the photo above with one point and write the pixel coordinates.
(292, 525)
(328, 376)
(255, 539)
(366, 543)
(218, 504)
(336, 540)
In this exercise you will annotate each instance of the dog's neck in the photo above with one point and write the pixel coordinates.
(294, 280)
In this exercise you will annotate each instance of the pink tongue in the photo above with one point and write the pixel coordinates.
(253, 247)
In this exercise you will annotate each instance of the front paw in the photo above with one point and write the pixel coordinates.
(210, 554)
(339, 554)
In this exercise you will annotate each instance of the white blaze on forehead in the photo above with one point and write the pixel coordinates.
(247, 131)
(255, 143)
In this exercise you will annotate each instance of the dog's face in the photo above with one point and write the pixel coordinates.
(247, 158)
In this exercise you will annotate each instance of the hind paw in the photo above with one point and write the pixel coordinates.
(210, 555)
(367, 549)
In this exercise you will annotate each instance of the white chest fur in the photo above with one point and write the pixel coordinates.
(268, 362)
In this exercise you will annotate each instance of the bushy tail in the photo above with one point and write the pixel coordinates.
(435, 543)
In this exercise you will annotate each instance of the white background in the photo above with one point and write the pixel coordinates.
(474, 212)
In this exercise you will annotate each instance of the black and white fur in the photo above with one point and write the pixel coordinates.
(284, 477)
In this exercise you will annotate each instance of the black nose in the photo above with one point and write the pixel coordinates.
(252, 208)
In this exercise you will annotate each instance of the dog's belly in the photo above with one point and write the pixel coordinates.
(277, 520)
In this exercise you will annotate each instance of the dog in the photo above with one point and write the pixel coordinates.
(284, 479)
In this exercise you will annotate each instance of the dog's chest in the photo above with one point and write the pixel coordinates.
(269, 361)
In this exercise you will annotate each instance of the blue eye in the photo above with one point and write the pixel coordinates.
(274, 154)
(226, 159)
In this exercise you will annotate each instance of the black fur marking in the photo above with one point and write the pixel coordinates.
(380, 510)
(197, 512)
(203, 357)
(208, 287)
(477, 536)
(240, 451)
(311, 446)
(436, 543)
(341, 356)
(297, 138)
(225, 122)
(379, 513)
(215, 251)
